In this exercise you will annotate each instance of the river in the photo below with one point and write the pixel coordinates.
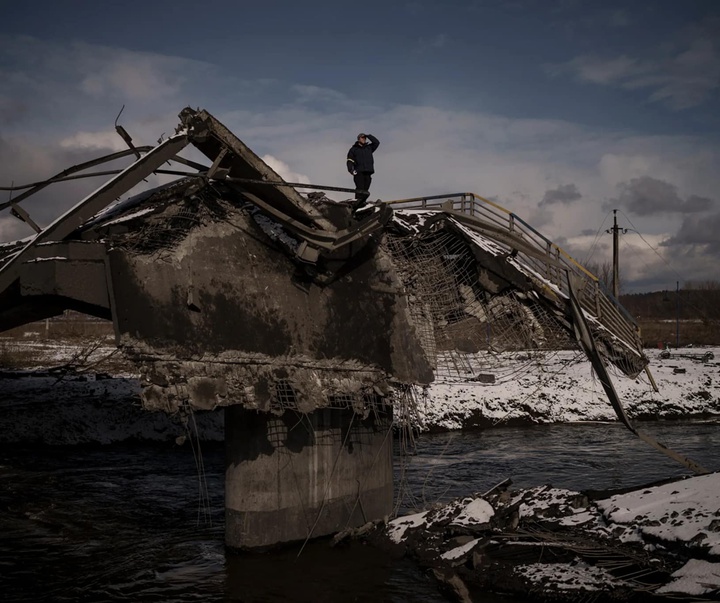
(132, 522)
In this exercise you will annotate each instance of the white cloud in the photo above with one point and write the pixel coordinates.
(93, 141)
(83, 87)
(431, 43)
(12, 229)
(619, 18)
(136, 79)
(599, 70)
(616, 168)
(308, 94)
(283, 169)
(691, 77)
(438, 41)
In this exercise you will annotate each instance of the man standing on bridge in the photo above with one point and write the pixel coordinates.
(360, 164)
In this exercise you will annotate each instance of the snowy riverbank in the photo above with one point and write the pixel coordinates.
(560, 387)
(544, 542)
(85, 406)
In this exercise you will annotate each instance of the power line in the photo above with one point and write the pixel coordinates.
(654, 249)
(597, 237)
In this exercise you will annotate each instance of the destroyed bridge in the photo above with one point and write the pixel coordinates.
(309, 326)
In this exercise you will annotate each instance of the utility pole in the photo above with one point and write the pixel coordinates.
(677, 314)
(615, 260)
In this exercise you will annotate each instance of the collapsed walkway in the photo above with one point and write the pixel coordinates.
(229, 288)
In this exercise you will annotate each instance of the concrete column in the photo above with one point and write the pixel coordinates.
(295, 475)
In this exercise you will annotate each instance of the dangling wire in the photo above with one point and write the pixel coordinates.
(654, 249)
(327, 486)
(595, 241)
(204, 509)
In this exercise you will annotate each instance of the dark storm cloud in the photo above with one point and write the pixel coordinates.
(566, 193)
(698, 231)
(695, 204)
(681, 74)
(11, 110)
(20, 162)
(647, 196)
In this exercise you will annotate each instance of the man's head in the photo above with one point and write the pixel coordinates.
(362, 139)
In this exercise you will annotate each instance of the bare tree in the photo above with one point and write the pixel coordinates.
(604, 272)
(702, 300)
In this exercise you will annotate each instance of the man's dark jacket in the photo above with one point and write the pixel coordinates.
(360, 157)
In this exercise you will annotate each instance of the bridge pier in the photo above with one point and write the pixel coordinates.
(297, 475)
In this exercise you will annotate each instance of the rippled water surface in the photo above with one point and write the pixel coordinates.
(575, 456)
(132, 523)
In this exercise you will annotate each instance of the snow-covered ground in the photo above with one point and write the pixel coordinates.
(561, 387)
(102, 388)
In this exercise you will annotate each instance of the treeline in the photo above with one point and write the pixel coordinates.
(693, 301)
(688, 316)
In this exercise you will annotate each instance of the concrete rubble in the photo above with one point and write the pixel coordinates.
(653, 543)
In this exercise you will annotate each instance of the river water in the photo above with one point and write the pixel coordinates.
(131, 522)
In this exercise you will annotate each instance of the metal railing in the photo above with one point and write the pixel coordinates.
(548, 260)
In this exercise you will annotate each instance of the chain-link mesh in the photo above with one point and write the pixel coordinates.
(467, 328)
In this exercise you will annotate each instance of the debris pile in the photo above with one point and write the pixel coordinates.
(551, 544)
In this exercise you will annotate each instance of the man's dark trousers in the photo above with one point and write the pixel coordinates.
(362, 182)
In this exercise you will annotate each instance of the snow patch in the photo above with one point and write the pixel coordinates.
(475, 512)
(459, 551)
(578, 576)
(685, 511)
(561, 387)
(398, 527)
(696, 577)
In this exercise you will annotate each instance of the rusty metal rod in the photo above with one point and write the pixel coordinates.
(319, 187)
(45, 183)
(84, 166)
(91, 175)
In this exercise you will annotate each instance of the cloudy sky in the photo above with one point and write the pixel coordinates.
(560, 110)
